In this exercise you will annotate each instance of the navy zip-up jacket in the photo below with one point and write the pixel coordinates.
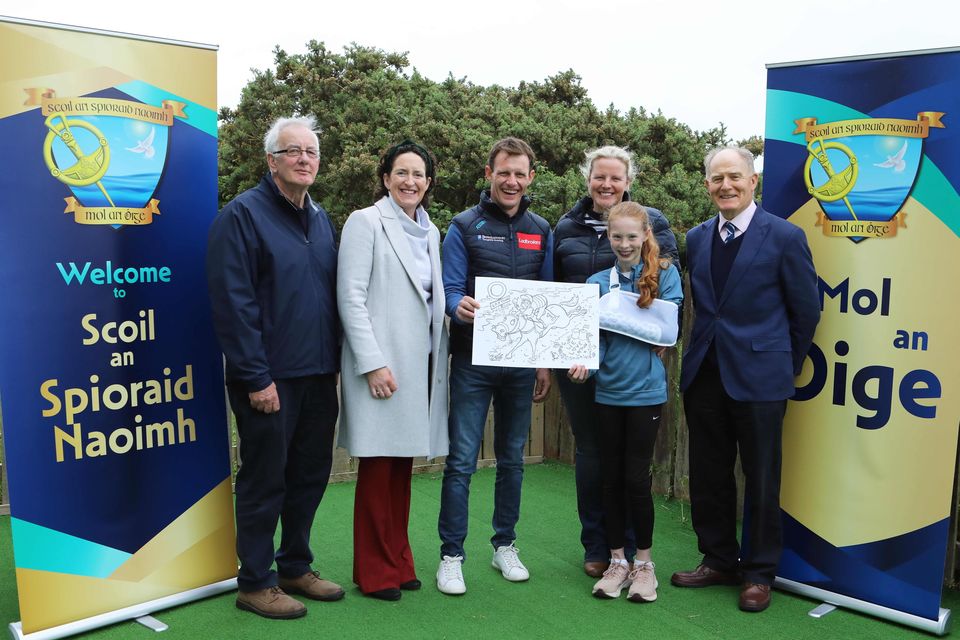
(485, 241)
(273, 288)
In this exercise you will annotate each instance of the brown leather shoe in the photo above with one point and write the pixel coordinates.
(271, 602)
(312, 586)
(595, 569)
(754, 597)
(703, 576)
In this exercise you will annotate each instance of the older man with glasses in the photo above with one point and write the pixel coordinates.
(271, 270)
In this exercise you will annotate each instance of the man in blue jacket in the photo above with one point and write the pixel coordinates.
(754, 290)
(271, 272)
(499, 237)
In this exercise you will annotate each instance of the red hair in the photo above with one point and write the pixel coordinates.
(648, 285)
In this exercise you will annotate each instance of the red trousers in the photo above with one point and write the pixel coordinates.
(382, 558)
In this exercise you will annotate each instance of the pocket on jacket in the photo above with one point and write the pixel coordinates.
(774, 343)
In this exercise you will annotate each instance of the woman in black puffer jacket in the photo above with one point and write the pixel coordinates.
(581, 249)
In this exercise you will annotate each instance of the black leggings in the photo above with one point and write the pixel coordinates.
(627, 436)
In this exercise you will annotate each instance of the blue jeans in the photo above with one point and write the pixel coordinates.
(471, 388)
(578, 400)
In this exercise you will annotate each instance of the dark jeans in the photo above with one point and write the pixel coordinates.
(719, 426)
(578, 400)
(285, 464)
(471, 388)
(627, 437)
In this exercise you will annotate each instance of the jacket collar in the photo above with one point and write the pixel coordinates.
(270, 184)
(393, 228)
(584, 207)
(635, 271)
(493, 209)
(752, 241)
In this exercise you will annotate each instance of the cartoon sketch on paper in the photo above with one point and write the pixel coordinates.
(534, 324)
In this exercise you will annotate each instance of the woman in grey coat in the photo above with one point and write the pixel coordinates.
(394, 363)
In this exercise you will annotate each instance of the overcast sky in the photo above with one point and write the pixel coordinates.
(702, 63)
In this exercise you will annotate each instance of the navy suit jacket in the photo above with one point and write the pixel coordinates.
(762, 323)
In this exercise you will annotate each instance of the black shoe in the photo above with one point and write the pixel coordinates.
(385, 594)
(411, 585)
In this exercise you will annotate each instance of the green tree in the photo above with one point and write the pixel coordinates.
(366, 99)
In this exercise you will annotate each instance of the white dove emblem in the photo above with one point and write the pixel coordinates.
(895, 161)
(145, 146)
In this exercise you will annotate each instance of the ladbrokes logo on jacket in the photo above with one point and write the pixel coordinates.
(529, 241)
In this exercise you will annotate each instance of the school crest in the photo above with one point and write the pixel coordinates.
(110, 153)
(862, 171)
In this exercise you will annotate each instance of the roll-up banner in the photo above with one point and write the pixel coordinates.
(110, 379)
(863, 154)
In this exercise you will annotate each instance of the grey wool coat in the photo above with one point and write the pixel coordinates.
(384, 316)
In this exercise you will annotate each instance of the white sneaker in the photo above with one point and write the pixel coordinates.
(643, 582)
(450, 576)
(614, 579)
(506, 559)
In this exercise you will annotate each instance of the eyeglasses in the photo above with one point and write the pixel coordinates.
(295, 152)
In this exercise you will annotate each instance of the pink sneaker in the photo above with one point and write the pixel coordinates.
(614, 579)
(643, 583)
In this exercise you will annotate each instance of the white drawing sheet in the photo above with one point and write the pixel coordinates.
(526, 323)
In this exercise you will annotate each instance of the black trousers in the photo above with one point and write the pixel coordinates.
(285, 460)
(719, 426)
(627, 438)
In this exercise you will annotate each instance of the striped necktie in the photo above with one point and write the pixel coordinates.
(730, 230)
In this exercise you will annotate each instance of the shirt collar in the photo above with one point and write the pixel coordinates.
(741, 221)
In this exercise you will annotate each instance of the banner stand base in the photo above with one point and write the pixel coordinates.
(152, 623)
(142, 610)
(940, 626)
(822, 610)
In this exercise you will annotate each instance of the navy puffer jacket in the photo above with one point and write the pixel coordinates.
(579, 252)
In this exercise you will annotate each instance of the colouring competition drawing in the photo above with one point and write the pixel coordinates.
(524, 323)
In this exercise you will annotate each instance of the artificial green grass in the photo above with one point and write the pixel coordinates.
(555, 603)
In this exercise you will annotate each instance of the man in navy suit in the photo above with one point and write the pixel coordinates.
(754, 291)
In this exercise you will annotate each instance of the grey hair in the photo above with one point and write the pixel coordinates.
(609, 151)
(744, 154)
(273, 133)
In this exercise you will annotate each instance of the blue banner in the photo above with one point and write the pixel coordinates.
(864, 155)
(111, 382)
